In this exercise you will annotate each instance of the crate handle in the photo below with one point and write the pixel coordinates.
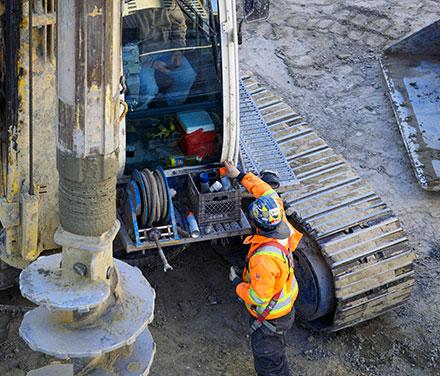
(221, 198)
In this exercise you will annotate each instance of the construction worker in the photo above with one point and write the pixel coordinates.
(268, 286)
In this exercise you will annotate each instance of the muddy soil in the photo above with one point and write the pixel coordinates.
(322, 57)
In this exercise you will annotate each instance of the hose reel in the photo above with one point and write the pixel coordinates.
(155, 205)
(150, 205)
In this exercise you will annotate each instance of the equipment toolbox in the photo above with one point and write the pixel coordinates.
(218, 214)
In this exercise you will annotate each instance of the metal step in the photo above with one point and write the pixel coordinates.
(358, 235)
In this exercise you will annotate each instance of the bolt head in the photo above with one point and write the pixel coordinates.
(80, 269)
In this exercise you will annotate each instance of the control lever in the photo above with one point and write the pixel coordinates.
(154, 235)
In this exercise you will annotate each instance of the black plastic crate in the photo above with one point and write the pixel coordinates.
(214, 207)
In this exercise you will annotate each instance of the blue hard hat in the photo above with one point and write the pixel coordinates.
(265, 212)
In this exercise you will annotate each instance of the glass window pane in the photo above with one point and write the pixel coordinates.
(171, 63)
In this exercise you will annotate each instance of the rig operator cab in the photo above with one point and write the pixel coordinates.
(180, 78)
(173, 69)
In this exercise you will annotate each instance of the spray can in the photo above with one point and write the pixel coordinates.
(192, 225)
(226, 182)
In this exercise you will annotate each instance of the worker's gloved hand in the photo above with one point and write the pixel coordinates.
(232, 274)
(232, 171)
(270, 177)
(233, 277)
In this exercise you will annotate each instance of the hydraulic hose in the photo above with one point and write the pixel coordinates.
(154, 197)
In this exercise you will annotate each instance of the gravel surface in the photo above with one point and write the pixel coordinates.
(322, 57)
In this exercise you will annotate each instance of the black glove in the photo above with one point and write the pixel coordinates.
(271, 178)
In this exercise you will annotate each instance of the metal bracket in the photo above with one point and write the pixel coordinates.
(29, 226)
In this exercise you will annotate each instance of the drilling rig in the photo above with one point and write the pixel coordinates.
(98, 185)
(83, 292)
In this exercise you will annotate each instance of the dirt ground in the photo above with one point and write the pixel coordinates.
(322, 56)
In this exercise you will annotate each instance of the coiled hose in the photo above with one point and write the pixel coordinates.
(154, 197)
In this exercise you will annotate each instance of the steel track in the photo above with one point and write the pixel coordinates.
(362, 241)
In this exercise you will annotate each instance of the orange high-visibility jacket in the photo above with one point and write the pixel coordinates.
(267, 271)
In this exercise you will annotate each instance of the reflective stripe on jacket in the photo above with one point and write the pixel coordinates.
(268, 268)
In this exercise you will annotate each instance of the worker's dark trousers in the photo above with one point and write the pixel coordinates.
(269, 348)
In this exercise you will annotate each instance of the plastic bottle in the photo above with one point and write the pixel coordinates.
(204, 182)
(192, 225)
(217, 186)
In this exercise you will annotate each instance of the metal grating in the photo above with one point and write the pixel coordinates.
(259, 150)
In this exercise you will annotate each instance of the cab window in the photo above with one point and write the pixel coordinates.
(172, 72)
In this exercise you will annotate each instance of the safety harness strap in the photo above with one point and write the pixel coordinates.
(257, 325)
